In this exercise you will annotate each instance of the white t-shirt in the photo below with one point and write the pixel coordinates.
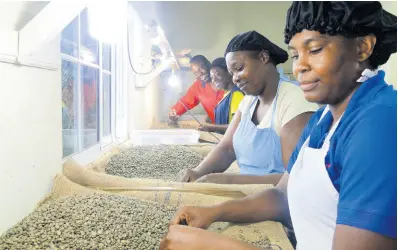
(290, 103)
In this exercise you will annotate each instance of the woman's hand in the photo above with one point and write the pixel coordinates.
(201, 217)
(188, 175)
(173, 115)
(206, 127)
(183, 238)
(189, 238)
(219, 178)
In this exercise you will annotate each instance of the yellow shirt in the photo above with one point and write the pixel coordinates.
(236, 98)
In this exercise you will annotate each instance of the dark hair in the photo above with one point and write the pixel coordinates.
(256, 55)
(220, 63)
(199, 59)
(349, 19)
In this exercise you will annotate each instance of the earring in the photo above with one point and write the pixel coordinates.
(363, 57)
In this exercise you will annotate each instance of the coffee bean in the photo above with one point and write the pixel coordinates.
(125, 218)
(153, 162)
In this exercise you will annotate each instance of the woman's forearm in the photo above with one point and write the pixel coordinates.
(217, 161)
(219, 128)
(222, 156)
(270, 204)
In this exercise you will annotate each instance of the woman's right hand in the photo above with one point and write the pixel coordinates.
(188, 175)
(200, 217)
(173, 115)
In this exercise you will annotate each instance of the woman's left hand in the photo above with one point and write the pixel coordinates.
(206, 127)
(184, 237)
(219, 178)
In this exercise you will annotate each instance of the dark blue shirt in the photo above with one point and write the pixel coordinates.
(362, 158)
(222, 110)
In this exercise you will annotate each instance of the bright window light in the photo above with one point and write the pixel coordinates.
(107, 20)
(156, 40)
(160, 31)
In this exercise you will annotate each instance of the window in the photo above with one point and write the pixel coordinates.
(69, 107)
(106, 89)
(86, 88)
(106, 104)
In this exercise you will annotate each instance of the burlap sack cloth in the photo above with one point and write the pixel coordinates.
(138, 187)
(247, 232)
(94, 176)
(77, 178)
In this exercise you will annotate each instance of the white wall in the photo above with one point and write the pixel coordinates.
(391, 66)
(143, 102)
(31, 136)
(144, 105)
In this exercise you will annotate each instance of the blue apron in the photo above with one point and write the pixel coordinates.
(222, 109)
(258, 150)
(286, 78)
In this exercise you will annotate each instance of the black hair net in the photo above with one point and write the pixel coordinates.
(220, 63)
(254, 41)
(349, 19)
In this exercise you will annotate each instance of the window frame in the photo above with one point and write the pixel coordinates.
(104, 142)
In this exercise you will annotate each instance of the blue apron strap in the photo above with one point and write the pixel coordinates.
(250, 111)
(274, 106)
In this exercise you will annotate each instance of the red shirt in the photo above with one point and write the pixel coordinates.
(196, 94)
(89, 95)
